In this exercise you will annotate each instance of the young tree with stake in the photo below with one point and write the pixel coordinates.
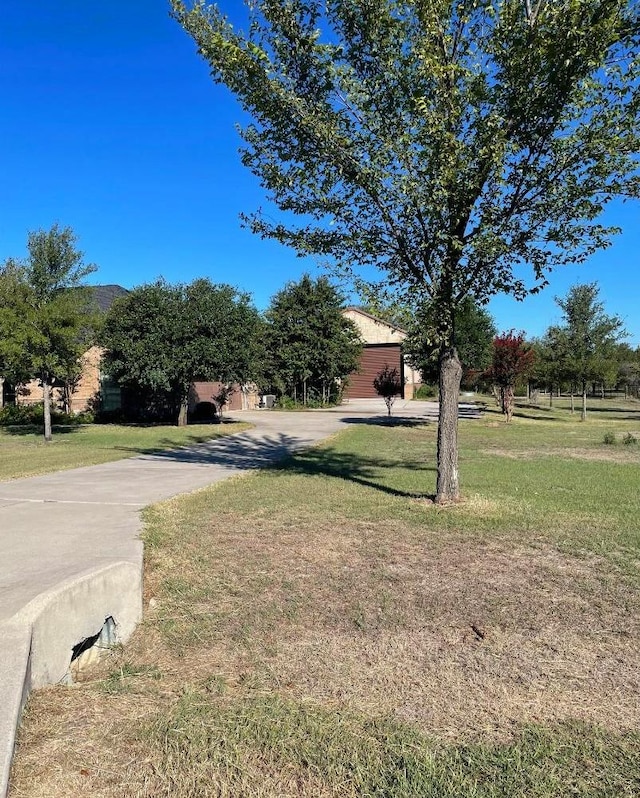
(447, 145)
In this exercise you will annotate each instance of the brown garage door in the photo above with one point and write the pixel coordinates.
(374, 358)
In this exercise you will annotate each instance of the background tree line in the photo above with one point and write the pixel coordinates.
(160, 338)
(585, 350)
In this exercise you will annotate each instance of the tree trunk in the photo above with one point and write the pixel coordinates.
(2, 393)
(66, 397)
(572, 403)
(448, 484)
(182, 415)
(551, 396)
(46, 399)
(583, 415)
(508, 402)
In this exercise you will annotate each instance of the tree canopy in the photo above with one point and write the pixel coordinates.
(312, 346)
(551, 364)
(47, 315)
(457, 148)
(628, 361)
(160, 338)
(474, 331)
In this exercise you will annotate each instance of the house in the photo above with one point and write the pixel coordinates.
(245, 397)
(96, 390)
(382, 347)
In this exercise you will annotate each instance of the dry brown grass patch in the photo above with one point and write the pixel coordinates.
(464, 639)
(621, 454)
(381, 618)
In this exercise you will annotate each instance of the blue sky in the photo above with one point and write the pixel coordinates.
(110, 124)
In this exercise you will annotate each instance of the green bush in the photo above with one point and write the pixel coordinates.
(15, 415)
(114, 416)
(285, 402)
(33, 415)
(609, 438)
(629, 439)
(426, 391)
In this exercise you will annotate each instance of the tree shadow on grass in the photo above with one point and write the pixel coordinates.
(370, 472)
(26, 430)
(386, 421)
(534, 417)
(619, 413)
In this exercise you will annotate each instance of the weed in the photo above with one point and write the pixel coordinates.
(609, 438)
(119, 680)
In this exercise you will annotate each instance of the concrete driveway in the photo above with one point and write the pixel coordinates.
(70, 554)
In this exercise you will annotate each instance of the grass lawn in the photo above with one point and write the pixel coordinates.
(322, 629)
(23, 452)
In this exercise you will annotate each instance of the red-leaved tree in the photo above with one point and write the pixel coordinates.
(512, 358)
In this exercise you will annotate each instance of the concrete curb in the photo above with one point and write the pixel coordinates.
(38, 641)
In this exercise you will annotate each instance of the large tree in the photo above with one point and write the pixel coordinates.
(460, 147)
(591, 336)
(160, 338)
(312, 346)
(46, 313)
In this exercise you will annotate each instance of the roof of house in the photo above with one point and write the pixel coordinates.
(106, 294)
(375, 318)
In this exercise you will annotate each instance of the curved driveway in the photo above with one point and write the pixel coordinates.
(70, 554)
